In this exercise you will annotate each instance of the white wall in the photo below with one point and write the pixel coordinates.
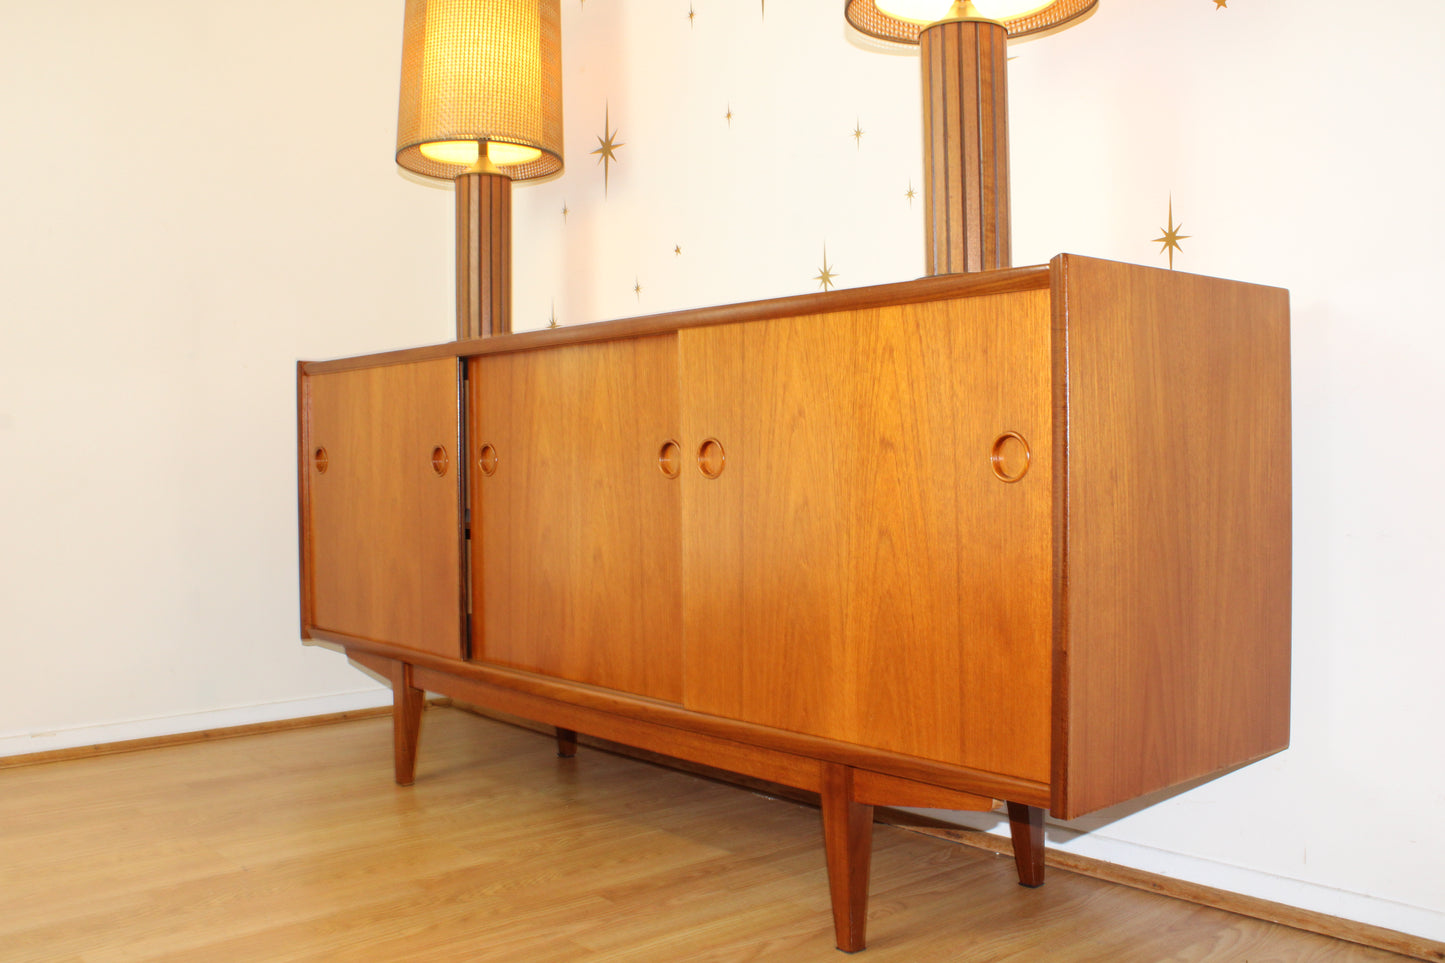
(194, 198)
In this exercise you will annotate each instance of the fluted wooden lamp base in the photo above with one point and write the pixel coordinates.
(484, 255)
(965, 146)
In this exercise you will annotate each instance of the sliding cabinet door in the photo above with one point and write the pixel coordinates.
(857, 565)
(382, 505)
(575, 507)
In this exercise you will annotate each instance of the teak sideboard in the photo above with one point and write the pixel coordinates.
(1021, 535)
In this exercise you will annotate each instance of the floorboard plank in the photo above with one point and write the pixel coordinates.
(297, 846)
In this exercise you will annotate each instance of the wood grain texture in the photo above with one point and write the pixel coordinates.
(1019, 544)
(576, 554)
(859, 565)
(381, 529)
(484, 255)
(848, 846)
(920, 291)
(1026, 830)
(1341, 932)
(304, 467)
(965, 146)
(407, 702)
(296, 846)
(1173, 529)
(759, 762)
(880, 789)
(554, 702)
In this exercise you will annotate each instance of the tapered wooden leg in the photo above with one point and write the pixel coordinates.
(566, 743)
(848, 843)
(406, 706)
(1026, 825)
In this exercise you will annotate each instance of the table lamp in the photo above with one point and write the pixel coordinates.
(963, 50)
(481, 105)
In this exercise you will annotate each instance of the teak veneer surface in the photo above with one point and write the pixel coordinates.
(1023, 535)
(295, 846)
(831, 593)
(384, 542)
(1172, 552)
(920, 290)
(855, 566)
(620, 716)
(576, 558)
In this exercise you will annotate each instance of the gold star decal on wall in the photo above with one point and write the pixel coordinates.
(1220, 4)
(825, 276)
(1171, 237)
(637, 288)
(690, 15)
(552, 322)
(729, 115)
(564, 210)
(858, 134)
(607, 148)
(677, 249)
(910, 193)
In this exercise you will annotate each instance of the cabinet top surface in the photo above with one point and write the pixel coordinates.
(920, 290)
(941, 288)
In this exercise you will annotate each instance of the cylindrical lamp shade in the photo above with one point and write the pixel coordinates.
(1019, 17)
(476, 71)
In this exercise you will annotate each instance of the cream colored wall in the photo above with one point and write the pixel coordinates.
(194, 198)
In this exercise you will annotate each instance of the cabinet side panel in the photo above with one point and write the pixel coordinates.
(575, 545)
(384, 545)
(1173, 643)
(303, 494)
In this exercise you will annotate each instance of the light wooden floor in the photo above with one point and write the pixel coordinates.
(297, 846)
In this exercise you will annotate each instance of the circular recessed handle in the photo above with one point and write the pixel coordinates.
(669, 458)
(711, 458)
(440, 461)
(1011, 456)
(321, 460)
(487, 460)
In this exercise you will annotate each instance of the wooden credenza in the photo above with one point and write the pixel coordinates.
(1021, 535)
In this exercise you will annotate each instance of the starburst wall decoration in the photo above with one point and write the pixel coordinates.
(607, 145)
(825, 273)
(1171, 237)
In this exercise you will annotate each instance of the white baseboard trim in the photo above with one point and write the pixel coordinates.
(26, 743)
(1317, 897)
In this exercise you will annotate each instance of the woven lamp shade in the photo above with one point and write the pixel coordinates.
(481, 70)
(866, 18)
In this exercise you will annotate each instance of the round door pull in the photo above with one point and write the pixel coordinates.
(1011, 456)
(487, 460)
(669, 458)
(322, 460)
(440, 461)
(711, 459)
